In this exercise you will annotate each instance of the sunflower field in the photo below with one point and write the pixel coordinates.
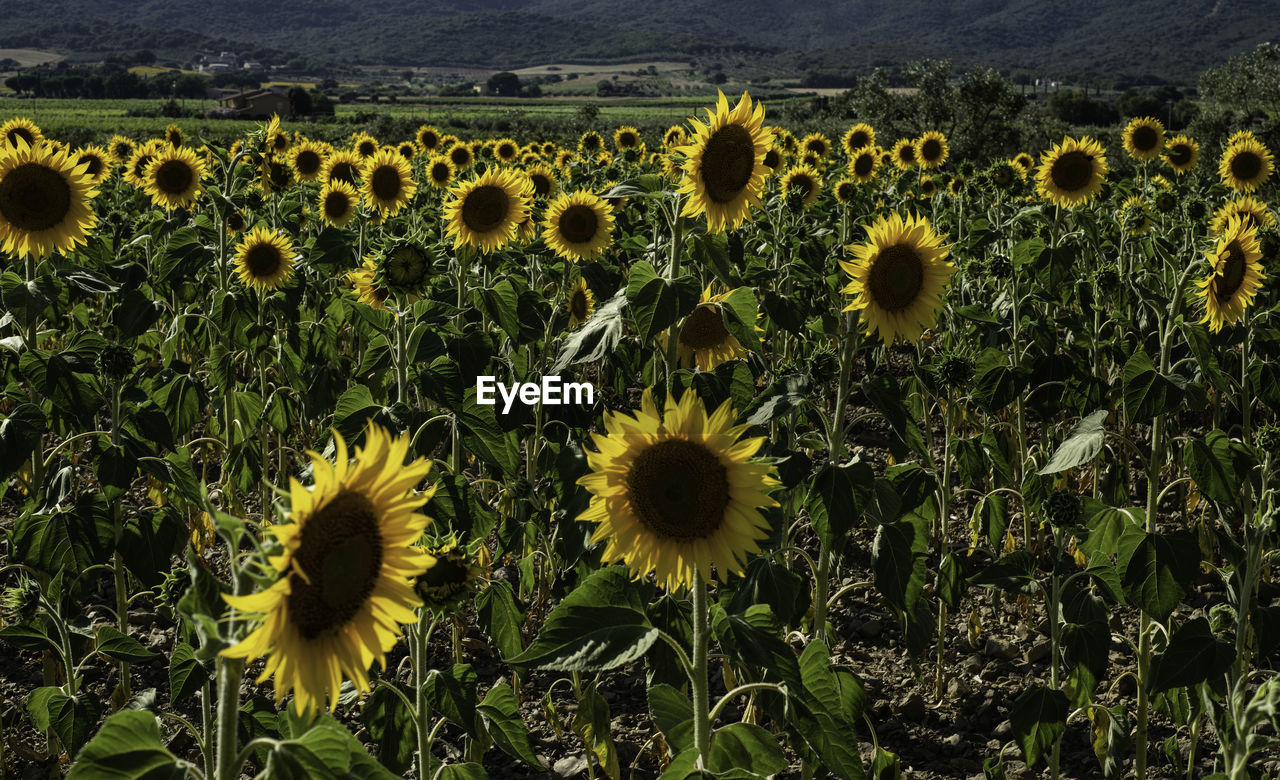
(722, 454)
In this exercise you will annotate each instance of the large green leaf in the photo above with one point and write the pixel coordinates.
(672, 713)
(1159, 571)
(72, 718)
(1082, 445)
(127, 747)
(746, 746)
(1218, 465)
(186, 674)
(1039, 719)
(20, 434)
(391, 725)
(1194, 655)
(592, 723)
(898, 560)
(69, 540)
(837, 497)
(1147, 392)
(114, 644)
(501, 715)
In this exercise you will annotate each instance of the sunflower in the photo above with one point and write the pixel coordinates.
(506, 150)
(544, 181)
(932, 149)
(864, 165)
(403, 270)
(44, 201)
(1135, 215)
(928, 187)
(338, 201)
(845, 190)
(677, 494)
(388, 182)
(367, 292)
(549, 149)
(1160, 182)
(590, 144)
(786, 140)
(816, 143)
(1144, 138)
(904, 154)
(343, 165)
(801, 185)
(452, 578)
(439, 171)
(1182, 153)
(20, 129)
(1071, 173)
(724, 169)
(703, 341)
(461, 156)
(858, 137)
(120, 148)
(956, 186)
(898, 277)
(675, 136)
(234, 222)
(1024, 162)
(448, 141)
(275, 140)
(773, 159)
(364, 145)
(136, 169)
(485, 212)
(307, 160)
(627, 137)
(427, 138)
(581, 303)
(565, 158)
(96, 161)
(578, 226)
(172, 179)
(1251, 211)
(264, 259)
(1246, 163)
(346, 572)
(1236, 275)
(274, 174)
(407, 150)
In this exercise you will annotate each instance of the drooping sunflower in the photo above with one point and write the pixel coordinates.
(20, 129)
(1135, 215)
(932, 149)
(724, 169)
(627, 137)
(428, 138)
(1245, 164)
(342, 165)
(448, 141)
(803, 184)
(506, 150)
(581, 303)
(338, 201)
(367, 291)
(677, 493)
(264, 259)
(956, 187)
(703, 341)
(578, 226)
(898, 277)
(864, 165)
(845, 190)
(904, 154)
(485, 212)
(565, 158)
(1071, 173)
(544, 181)
(461, 156)
(1144, 138)
(233, 221)
(346, 572)
(1251, 211)
(1182, 153)
(439, 171)
(455, 575)
(173, 135)
(785, 139)
(172, 179)
(388, 182)
(96, 161)
(858, 137)
(275, 140)
(44, 201)
(1235, 276)
(274, 174)
(1024, 162)
(120, 148)
(364, 145)
(307, 160)
(817, 143)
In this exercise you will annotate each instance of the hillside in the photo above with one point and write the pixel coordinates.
(1174, 38)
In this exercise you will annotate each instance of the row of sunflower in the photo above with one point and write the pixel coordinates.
(713, 463)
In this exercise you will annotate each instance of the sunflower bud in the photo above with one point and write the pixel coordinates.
(1268, 440)
(1000, 267)
(115, 362)
(1196, 208)
(823, 366)
(1269, 243)
(955, 370)
(1063, 508)
(19, 603)
(403, 270)
(173, 587)
(521, 488)
(1166, 202)
(1106, 279)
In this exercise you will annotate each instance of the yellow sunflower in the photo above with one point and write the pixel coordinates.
(932, 149)
(1135, 215)
(703, 341)
(1182, 153)
(590, 144)
(461, 156)
(578, 226)
(343, 165)
(407, 150)
(864, 165)
(172, 179)
(678, 493)
(274, 174)
(338, 201)
(815, 143)
(439, 171)
(367, 291)
(565, 158)
(802, 183)
(346, 572)
(1246, 164)
(773, 159)
(1236, 275)
(427, 138)
(581, 303)
(275, 140)
(388, 182)
(845, 190)
(264, 259)
(96, 161)
(904, 154)
(485, 212)
(724, 169)
(676, 136)
(1024, 163)
(506, 150)
(858, 137)
(136, 169)
(173, 135)
(1144, 138)
(20, 129)
(1251, 211)
(364, 145)
(898, 277)
(307, 160)
(44, 201)
(545, 183)
(1071, 172)
(455, 575)
(627, 137)
(120, 148)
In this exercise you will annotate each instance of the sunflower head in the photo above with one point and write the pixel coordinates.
(20, 129)
(724, 167)
(544, 181)
(172, 178)
(338, 202)
(307, 160)
(274, 174)
(1181, 153)
(675, 137)
(1235, 276)
(44, 201)
(1135, 215)
(956, 186)
(173, 135)
(264, 259)
(801, 187)
(904, 154)
(439, 171)
(858, 137)
(1025, 163)
(581, 303)
(461, 156)
(590, 144)
(677, 494)
(815, 143)
(428, 138)
(932, 149)
(578, 226)
(388, 182)
(1251, 211)
(234, 221)
(404, 270)
(120, 149)
(627, 137)
(364, 145)
(96, 160)
(864, 164)
(845, 191)
(703, 342)
(1245, 164)
(506, 150)
(485, 212)
(367, 290)
(275, 140)
(453, 578)
(346, 569)
(343, 165)
(1144, 138)
(1071, 173)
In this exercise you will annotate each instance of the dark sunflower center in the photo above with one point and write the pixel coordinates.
(704, 328)
(235, 221)
(279, 142)
(1246, 165)
(679, 490)
(122, 151)
(34, 197)
(845, 191)
(802, 185)
(429, 140)
(406, 266)
(344, 171)
(367, 148)
(897, 275)
(1229, 279)
(386, 183)
(174, 177)
(507, 151)
(264, 260)
(340, 549)
(907, 153)
(1072, 171)
(772, 158)
(592, 142)
(931, 149)
(627, 140)
(864, 165)
(94, 166)
(336, 204)
(485, 208)
(307, 161)
(541, 185)
(277, 174)
(21, 132)
(140, 167)
(578, 304)
(1145, 138)
(1180, 154)
(440, 173)
(460, 155)
(579, 224)
(817, 147)
(859, 140)
(728, 160)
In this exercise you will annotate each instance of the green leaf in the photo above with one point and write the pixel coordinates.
(500, 617)
(885, 765)
(837, 497)
(828, 710)
(657, 303)
(767, 582)
(462, 772)
(1147, 392)
(354, 408)
(746, 746)
(1217, 465)
(114, 644)
(29, 637)
(1039, 719)
(779, 399)
(1194, 655)
(1107, 525)
(127, 747)
(898, 560)
(885, 394)
(20, 434)
(592, 723)
(391, 725)
(672, 713)
(452, 693)
(738, 310)
(501, 715)
(596, 338)
(1082, 445)
(995, 383)
(186, 674)
(72, 718)
(484, 437)
(600, 625)
(70, 540)
(1015, 572)
(1156, 576)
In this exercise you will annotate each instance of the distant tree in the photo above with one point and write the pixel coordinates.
(588, 113)
(604, 88)
(719, 78)
(299, 101)
(144, 57)
(1249, 82)
(320, 103)
(189, 85)
(1075, 107)
(531, 91)
(504, 84)
(329, 84)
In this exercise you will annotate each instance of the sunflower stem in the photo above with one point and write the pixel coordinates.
(698, 680)
(673, 270)
(426, 625)
(402, 350)
(1245, 404)
(120, 576)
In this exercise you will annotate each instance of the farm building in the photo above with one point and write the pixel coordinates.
(258, 103)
